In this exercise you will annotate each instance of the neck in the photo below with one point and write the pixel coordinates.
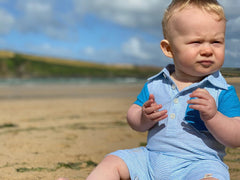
(183, 81)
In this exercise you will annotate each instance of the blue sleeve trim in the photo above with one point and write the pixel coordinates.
(228, 103)
(143, 96)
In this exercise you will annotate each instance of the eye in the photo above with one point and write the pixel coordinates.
(217, 41)
(196, 42)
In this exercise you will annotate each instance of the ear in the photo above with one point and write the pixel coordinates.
(165, 46)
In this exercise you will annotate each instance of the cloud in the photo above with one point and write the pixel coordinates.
(133, 29)
(89, 51)
(133, 47)
(6, 21)
(233, 48)
(142, 52)
(141, 14)
(134, 51)
(231, 8)
(233, 25)
(47, 49)
(44, 17)
(232, 53)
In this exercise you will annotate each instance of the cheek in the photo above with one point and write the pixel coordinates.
(220, 56)
(187, 56)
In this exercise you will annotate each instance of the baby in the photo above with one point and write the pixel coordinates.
(190, 112)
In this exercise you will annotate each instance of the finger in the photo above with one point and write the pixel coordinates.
(152, 109)
(197, 107)
(198, 101)
(148, 103)
(151, 96)
(164, 116)
(199, 90)
(157, 116)
(200, 94)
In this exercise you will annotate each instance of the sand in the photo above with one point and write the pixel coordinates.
(63, 130)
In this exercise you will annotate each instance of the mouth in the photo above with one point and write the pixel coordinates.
(206, 63)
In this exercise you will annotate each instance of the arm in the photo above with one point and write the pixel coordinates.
(145, 117)
(226, 130)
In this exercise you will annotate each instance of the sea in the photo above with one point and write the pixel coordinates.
(81, 81)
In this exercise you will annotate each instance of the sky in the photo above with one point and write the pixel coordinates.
(102, 31)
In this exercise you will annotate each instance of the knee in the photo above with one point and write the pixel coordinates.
(116, 164)
(113, 161)
(209, 178)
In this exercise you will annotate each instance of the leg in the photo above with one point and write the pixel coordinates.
(208, 177)
(208, 170)
(111, 168)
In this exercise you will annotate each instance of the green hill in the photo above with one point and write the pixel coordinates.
(18, 65)
(29, 66)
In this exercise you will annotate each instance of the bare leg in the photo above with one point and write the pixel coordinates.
(210, 178)
(111, 168)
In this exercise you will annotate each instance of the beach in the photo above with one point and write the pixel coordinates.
(57, 130)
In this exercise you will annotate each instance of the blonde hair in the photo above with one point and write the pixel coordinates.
(177, 5)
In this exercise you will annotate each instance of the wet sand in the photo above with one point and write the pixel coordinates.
(56, 130)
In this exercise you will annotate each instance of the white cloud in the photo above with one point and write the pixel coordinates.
(233, 48)
(57, 20)
(143, 52)
(140, 14)
(233, 25)
(47, 49)
(232, 53)
(6, 21)
(89, 51)
(133, 47)
(231, 8)
(132, 13)
(44, 17)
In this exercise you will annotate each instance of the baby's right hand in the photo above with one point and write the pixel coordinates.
(150, 110)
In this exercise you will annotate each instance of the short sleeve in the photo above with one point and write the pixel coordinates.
(143, 96)
(228, 103)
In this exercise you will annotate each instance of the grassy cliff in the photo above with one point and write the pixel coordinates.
(28, 66)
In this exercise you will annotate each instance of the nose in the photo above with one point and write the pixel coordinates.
(206, 50)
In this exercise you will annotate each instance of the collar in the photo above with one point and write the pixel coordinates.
(216, 78)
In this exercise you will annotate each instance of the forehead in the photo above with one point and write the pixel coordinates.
(192, 18)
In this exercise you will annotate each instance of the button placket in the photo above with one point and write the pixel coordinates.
(173, 86)
(172, 116)
(172, 121)
(175, 101)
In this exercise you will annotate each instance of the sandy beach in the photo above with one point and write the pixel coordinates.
(63, 130)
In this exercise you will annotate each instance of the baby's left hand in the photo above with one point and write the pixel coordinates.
(204, 103)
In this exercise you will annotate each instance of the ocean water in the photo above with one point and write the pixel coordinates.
(84, 81)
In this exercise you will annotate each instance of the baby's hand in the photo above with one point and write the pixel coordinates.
(204, 103)
(150, 110)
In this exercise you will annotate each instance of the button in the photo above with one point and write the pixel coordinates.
(172, 116)
(176, 101)
(173, 86)
(136, 178)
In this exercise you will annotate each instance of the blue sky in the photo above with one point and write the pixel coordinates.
(103, 31)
